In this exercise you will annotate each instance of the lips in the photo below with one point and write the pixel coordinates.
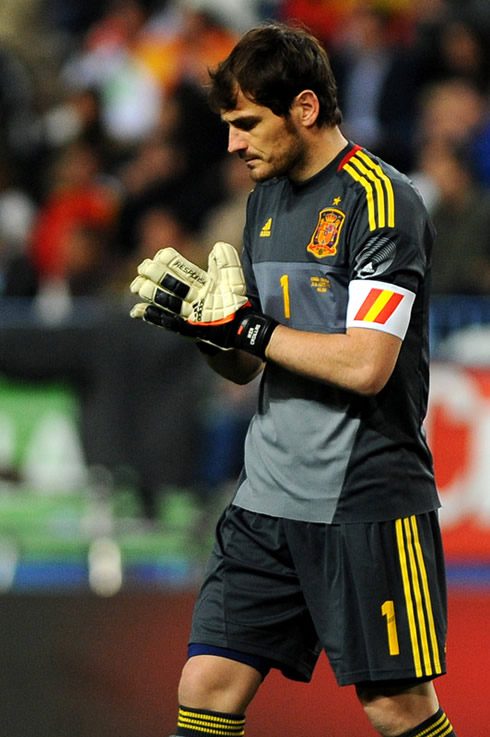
(248, 159)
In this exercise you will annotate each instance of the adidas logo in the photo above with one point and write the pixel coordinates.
(266, 229)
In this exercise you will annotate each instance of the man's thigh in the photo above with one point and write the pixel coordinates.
(377, 596)
(251, 599)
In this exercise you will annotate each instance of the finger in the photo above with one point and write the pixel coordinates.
(138, 311)
(149, 291)
(225, 254)
(156, 316)
(171, 262)
(159, 274)
(226, 267)
(135, 284)
(164, 319)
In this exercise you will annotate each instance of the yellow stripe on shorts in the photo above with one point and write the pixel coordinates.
(418, 602)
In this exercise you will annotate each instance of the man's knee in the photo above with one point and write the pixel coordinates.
(395, 709)
(216, 683)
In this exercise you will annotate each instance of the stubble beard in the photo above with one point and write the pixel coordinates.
(288, 162)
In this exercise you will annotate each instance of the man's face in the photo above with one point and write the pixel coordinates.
(270, 145)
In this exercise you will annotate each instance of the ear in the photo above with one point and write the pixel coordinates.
(307, 107)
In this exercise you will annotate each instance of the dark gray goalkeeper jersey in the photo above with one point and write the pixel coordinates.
(349, 247)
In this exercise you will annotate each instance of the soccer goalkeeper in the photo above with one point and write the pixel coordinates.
(332, 540)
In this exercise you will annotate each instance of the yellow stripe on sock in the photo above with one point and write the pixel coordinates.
(211, 723)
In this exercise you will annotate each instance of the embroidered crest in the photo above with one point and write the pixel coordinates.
(327, 232)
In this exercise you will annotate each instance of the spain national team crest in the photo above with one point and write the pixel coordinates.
(326, 236)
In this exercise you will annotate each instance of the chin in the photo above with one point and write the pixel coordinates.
(261, 175)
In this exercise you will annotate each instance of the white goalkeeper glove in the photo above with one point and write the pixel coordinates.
(172, 283)
(210, 307)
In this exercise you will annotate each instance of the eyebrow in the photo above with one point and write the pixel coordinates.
(243, 121)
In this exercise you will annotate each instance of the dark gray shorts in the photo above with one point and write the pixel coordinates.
(372, 595)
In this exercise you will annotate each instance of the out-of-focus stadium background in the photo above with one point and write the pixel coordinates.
(118, 447)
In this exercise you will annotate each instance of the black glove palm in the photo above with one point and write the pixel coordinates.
(210, 306)
(246, 329)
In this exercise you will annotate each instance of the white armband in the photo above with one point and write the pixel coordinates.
(380, 306)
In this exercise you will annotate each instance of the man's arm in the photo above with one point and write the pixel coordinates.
(236, 365)
(361, 360)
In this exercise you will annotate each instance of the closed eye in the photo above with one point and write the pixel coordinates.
(245, 124)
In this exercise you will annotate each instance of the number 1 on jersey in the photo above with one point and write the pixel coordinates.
(285, 295)
(388, 611)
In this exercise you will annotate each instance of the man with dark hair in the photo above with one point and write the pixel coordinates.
(332, 540)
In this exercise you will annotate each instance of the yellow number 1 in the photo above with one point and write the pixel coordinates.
(388, 611)
(285, 294)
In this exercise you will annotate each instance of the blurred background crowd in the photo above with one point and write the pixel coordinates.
(108, 152)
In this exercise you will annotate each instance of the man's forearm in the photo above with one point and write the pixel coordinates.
(360, 360)
(235, 365)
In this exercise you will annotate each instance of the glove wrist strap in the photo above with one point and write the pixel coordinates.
(254, 333)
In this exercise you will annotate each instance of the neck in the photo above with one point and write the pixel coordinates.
(321, 147)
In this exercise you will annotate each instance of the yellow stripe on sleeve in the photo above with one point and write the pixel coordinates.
(387, 182)
(379, 189)
(369, 194)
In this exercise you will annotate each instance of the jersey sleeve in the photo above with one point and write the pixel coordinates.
(390, 241)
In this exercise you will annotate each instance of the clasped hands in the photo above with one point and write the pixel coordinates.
(210, 306)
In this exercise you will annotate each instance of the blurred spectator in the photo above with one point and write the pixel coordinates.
(236, 15)
(226, 221)
(88, 259)
(199, 135)
(155, 228)
(17, 213)
(329, 19)
(150, 179)
(461, 215)
(181, 42)
(75, 17)
(455, 111)
(459, 49)
(163, 173)
(108, 62)
(378, 82)
(77, 195)
(77, 117)
(451, 110)
(17, 106)
(147, 177)
(136, 56)
(323, 17)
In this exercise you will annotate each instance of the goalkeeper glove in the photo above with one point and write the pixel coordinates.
(246, 329)
(209, 306)
(171, 282)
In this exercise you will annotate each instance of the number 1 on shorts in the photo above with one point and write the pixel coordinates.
(388, 611)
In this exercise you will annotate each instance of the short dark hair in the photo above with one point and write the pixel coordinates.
(271, 64)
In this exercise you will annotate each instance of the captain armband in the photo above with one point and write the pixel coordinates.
(379, 306)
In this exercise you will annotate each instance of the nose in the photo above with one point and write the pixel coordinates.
(236, 141)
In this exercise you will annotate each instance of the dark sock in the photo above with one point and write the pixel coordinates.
(436, 726)
(204, 723)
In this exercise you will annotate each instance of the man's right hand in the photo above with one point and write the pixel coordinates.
(171, 283)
